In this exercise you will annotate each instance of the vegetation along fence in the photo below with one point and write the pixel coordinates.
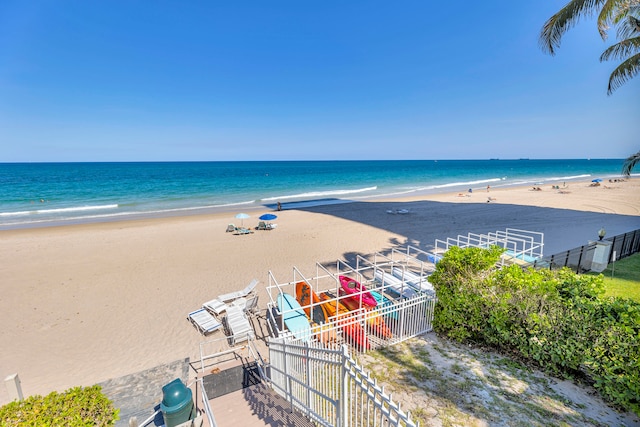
(580, 259)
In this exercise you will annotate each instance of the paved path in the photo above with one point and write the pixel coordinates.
(255, 406)
(139, 395)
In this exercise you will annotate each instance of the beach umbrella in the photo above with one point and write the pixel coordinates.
(596, 180)
(242, 217)
(268, 217)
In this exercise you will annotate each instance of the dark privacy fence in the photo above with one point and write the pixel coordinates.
(580, 259)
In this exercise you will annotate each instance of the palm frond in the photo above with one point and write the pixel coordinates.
(612, 11)
(553, 30)
(630, 163)
(623, 73)
(628, 28)
(621, 50)
(626, 8)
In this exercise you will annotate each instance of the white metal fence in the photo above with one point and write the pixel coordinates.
(329, 387)
(406, 300)
(522, 246)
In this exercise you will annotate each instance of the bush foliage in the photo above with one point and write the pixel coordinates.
(75, 407)
(557, 319)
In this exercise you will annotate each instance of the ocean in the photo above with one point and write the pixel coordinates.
(48, 194)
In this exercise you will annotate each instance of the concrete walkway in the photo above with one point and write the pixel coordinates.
(256, 406)
(139, 394)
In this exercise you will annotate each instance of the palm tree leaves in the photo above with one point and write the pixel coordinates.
(629, 68)
(624, 14)
(565, 19)
(630, 163)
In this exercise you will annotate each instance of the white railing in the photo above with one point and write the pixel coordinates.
(218, 352)
(205, 404)
(521, 246)
(329, 387)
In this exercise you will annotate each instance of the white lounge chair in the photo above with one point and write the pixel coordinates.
(240, 328)
(215, 306)
(204, 321)
(239, 294)
(266, 225)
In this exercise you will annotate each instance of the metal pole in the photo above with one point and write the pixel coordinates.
(580, 260)
(613, 263)
(343, 418)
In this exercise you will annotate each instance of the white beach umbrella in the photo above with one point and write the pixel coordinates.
(242, 217)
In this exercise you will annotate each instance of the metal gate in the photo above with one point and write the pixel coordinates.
(329, 387)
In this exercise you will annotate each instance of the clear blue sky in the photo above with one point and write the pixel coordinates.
(303, 80)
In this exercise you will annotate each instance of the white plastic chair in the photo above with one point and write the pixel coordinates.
(204, 321)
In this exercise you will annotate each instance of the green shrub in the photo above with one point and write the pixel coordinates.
(75, 407)
(557, 319)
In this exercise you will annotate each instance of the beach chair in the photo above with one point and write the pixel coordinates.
(215, 306)
(231, 228)
(238, 324)
(248, 290)
(251, 306)
(266, 226)
(242, 230)
(204, 321)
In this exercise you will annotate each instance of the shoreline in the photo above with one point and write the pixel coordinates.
(84, 303)
(439, 193)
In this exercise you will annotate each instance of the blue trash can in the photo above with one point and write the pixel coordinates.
(177, 404)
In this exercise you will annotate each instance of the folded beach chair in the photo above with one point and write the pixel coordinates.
(204, 321)
(231, 228)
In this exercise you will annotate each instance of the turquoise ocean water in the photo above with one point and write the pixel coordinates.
(46, 194)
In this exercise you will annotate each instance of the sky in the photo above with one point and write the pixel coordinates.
(304, 80)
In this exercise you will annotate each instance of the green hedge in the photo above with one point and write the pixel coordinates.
(75, 407)
(557, 319)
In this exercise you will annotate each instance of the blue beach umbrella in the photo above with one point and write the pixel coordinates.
(268, 217)
(596, 180)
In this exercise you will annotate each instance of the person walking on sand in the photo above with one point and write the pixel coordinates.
(279, 206)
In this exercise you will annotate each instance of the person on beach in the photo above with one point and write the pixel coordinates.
(279, 206)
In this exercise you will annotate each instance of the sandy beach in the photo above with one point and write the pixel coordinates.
(84, 303)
